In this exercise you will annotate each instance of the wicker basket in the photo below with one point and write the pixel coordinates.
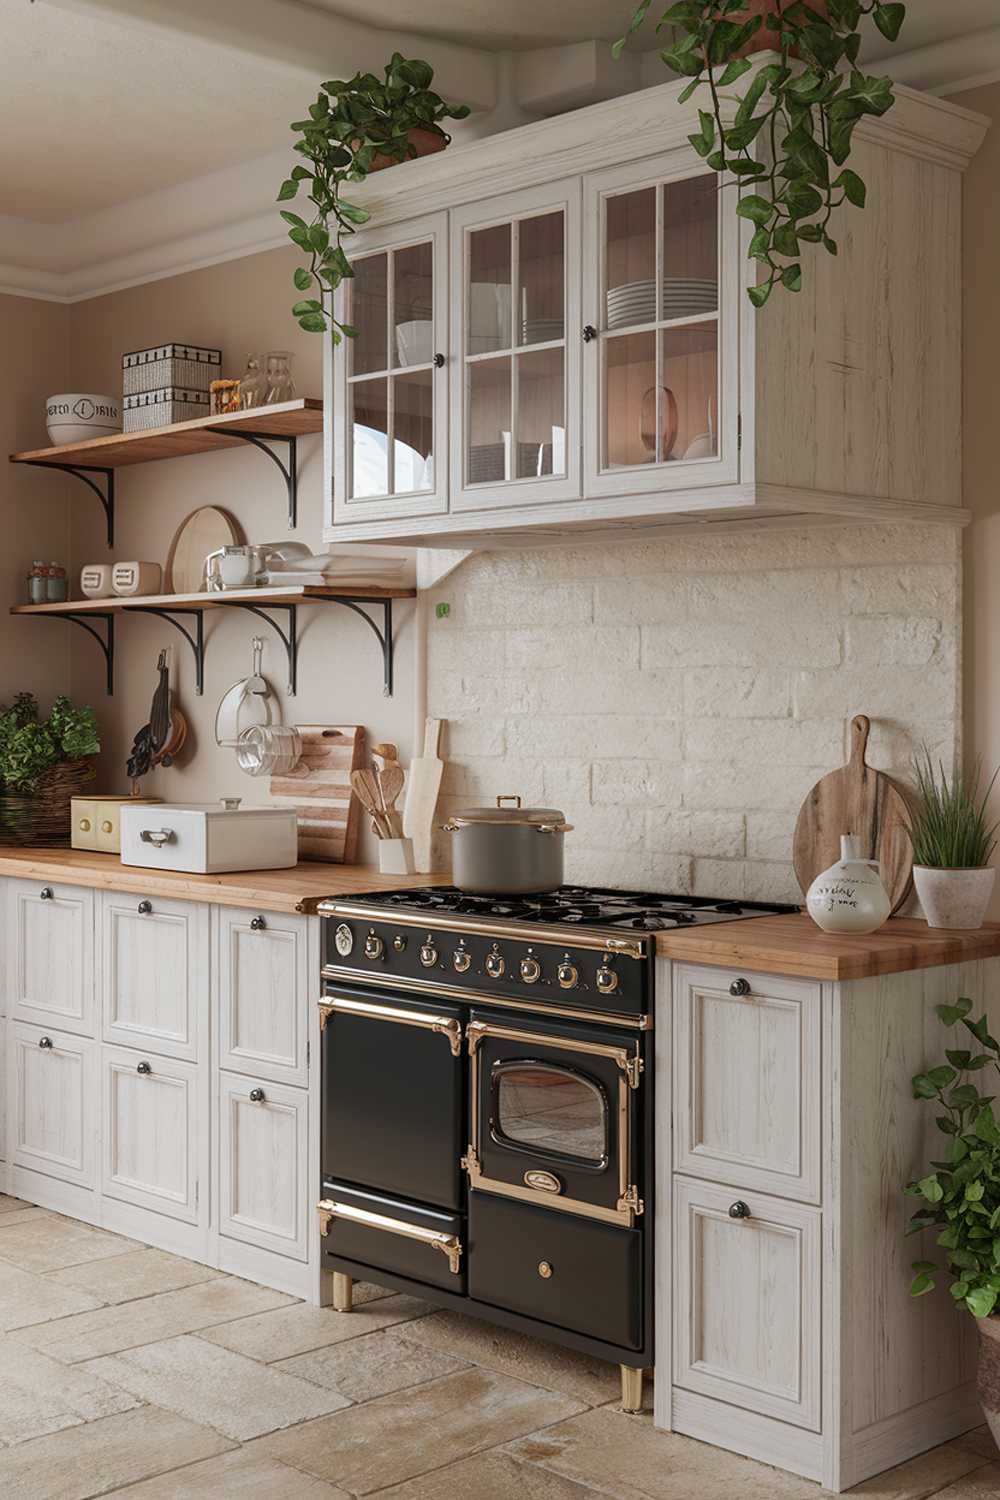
(42, 817)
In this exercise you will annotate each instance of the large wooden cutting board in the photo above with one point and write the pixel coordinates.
(319, 788)
(859, 800)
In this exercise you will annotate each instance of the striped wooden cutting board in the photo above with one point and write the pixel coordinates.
(319, 788)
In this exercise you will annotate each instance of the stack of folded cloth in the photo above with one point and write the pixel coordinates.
(329, 570)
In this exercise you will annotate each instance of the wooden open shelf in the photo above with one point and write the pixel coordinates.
(295, 595)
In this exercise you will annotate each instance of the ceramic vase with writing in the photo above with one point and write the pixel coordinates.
(849, 897)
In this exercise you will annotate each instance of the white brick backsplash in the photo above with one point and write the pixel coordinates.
(678, 698)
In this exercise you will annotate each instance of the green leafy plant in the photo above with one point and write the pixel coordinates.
(949, 829)
(960, 1196)
(787, 135)
(351, 123)
(29, 746)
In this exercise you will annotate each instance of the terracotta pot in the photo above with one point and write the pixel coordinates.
(988, 1372)
(766, 39)
(954, 898)
(425, 143)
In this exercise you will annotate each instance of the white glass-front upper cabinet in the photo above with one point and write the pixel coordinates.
(661, 309)
(391, 380)
(515, 385)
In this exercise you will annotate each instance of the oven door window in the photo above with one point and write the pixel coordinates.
(551, 1112)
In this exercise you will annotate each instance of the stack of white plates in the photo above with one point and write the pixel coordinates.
(541, 330)
(683, 297)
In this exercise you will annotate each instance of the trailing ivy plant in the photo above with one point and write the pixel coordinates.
(960, 1195)
(790, 135)
(351, 123)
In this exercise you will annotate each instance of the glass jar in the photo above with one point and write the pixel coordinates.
(38, 583)
(253, 386)
(269, 749)
(56, 587)
(280, 385)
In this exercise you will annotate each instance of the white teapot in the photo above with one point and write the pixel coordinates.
(849, 896)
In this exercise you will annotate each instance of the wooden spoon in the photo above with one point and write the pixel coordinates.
(365, 787)
(388, 753)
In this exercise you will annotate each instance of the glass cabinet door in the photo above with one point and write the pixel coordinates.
(390, 436)
(660, 365)
(515, 387)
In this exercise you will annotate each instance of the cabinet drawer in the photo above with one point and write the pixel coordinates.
(747, 1080)
(154, 973)
(50, 955)
(53, 1103)
(264, 1194)
(264, 990)
(747, 1300)
(151, 1132)
(391, 1234)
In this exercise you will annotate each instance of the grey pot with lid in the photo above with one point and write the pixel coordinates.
(507, 849)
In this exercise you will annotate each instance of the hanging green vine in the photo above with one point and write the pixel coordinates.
(790, 137)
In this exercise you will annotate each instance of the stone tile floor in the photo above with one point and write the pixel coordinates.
(128, 1371)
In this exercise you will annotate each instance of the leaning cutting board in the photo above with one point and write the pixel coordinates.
(423, 782)
(859, 800)
(319, 788)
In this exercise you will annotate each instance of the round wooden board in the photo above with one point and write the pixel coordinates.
(856, 799)
(203, 531)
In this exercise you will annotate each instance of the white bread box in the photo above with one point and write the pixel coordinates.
(208, 838)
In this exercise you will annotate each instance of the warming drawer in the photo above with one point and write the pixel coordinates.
(393, 1235)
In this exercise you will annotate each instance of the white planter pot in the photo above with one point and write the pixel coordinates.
(954, 898)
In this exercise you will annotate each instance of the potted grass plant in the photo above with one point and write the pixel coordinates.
(960, 1195)
(953, 842)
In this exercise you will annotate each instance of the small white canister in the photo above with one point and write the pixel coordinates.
(849, 896)
(95, 581)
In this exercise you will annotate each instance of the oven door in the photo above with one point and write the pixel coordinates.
(554, 1115)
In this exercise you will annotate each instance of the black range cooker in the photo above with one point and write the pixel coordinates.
(487, 1132)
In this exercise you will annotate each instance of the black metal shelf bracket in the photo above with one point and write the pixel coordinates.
(289, 639)
(84, 472)
(383, 636)
(195, 641)
(106, 643)
(289, 472)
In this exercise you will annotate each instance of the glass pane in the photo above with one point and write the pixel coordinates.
(542, 279)
(370, 455)
(490, 307)
(413, 432)
(631, 258)
(413, 306)
(690, 248)
(550, 1110)
(630, 396)
(689, 371)
(489, 421)
(370, 315)
(541, 403)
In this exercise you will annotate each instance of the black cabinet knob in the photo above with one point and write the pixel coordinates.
(45, 1043)
(439, 361)
(739, 1210)
(257, 924)
(740, 987)
(144, 1067)
(589, 332)
(45, 894)
(257, 1096)
(144, 908)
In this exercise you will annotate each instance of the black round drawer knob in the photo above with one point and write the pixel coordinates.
(144, 1067)
(589, 333)
(257, 924)
(257, 1096)
(439, 361)
(740, 987)
(45, 894)
(45, 1043)
(144, 908)
(739, 1210)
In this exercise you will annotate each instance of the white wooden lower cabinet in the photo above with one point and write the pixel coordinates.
(786, 1132)
(155, 1071)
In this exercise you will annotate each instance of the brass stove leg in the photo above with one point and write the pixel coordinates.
(343, 1292)
(631, 1389)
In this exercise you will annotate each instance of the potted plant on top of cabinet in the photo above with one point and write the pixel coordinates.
(952, 845)
(355, 127)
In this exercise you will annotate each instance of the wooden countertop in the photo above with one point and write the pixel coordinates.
(294, 890)
(793, 944)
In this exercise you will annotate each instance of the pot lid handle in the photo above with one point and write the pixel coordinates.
(501, 800)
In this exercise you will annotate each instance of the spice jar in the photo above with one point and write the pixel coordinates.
(38, 583)
(56, 587)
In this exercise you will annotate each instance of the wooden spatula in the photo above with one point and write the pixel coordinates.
(366, 789)
(390, 784)
(859, 800)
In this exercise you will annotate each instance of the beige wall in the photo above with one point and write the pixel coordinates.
(34, 337)
(239, 306)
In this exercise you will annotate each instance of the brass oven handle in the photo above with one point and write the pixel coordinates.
(448, 1026)
(449, 1244)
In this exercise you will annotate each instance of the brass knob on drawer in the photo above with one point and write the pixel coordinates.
(84, 825)
(545, 1269)
(740, 987)
(739, 1210)
(107, 826)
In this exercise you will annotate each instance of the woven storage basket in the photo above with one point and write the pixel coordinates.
(42, 817)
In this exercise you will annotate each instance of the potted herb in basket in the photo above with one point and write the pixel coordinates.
(960, 1196)
(355, 127)
(952, 845)
(43, 764)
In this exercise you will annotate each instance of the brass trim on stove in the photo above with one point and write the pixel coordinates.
(449, 1244)
(533, 932)
(448, 1026)
(629, 1205)
(538, 1006)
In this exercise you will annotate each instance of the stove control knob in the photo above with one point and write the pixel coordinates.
(495, 964)
(567, 975)
(374, 946)
(531, 970)
(428, 955)
(399, 943)
(607, 980)
(343, 940)
(461, 958)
